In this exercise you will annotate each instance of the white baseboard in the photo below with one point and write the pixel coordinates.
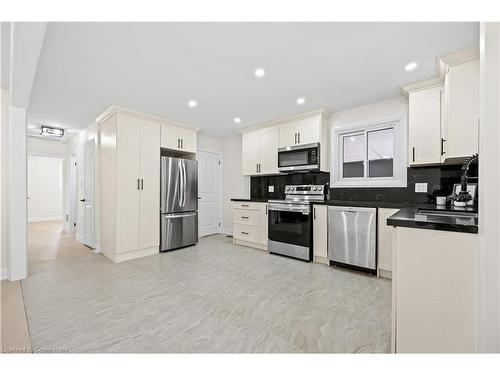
(5, 273)
(37, 219)
(227, 231)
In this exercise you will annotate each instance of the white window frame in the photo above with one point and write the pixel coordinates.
(399, 123)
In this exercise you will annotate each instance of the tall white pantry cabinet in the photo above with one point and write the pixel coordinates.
(130, 186)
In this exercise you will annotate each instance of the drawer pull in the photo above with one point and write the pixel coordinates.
(244, 233)
(245, 217)
(244, 205)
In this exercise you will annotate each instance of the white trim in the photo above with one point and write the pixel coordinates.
(324, 112)
(112, 109)
(129, 255)
(38, 219)
(400, 125)
(226, 231)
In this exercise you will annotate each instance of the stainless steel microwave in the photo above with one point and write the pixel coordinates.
(299, 158)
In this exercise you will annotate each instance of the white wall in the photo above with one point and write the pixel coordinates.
(45, 188)
(206, 143)
(489, 185)
(46, 146)
(235, 184)
(370, 112)
(4, 159)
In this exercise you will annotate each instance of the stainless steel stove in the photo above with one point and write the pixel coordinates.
(290, 222)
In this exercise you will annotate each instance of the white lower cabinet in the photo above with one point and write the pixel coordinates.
(384, 242)
(434, 291)
(250, 224)
(320, 233)
(130, 186)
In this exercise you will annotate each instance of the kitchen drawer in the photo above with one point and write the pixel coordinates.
(247, 205)
(246, 232)
(246, 217)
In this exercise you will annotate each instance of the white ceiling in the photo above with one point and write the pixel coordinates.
(157, 67)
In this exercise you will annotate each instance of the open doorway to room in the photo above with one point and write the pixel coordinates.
(52, 207)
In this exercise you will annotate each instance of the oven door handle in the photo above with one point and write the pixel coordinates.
(304, 211)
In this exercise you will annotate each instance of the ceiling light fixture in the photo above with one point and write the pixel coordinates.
(52, 132)
(411, 66)
(192, 103)
(259, 72)
(301, 101)
(237, 120)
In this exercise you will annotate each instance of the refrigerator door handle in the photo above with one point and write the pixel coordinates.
(176, 216)
(181, 183)
(184, 173)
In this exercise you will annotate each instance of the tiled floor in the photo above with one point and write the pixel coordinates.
(213, 297)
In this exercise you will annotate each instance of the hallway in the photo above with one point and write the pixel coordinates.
(47, 241)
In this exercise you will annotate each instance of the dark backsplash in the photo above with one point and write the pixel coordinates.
(439, 179)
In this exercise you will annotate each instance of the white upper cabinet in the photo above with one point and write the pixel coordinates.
(300, 132)
(461, 105)
(260, 144)
(425, 126)
(444, 118)
(260, 151)
(178, 138)
(268, 154)
(250, 145)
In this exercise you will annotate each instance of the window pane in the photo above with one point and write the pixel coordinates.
(353, 149)
(381, 153)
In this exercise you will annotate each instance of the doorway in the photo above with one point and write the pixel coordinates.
(209, 192)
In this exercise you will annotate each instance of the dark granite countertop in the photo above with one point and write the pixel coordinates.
(249, 199)
(411, 218)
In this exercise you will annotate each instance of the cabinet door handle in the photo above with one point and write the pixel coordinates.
(138, 184)
(244, 205)
(142, 184)
(178, 143)
(442, 146)
(413, 152)
(266, 209)
(314, 213)
(257, 168)
(244, 233)
(245, 217)
(182, 143)
(298, 138)
(295, 138)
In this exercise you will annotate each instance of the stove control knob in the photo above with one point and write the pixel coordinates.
(320, 188)
(292, 188)
(315, 188)
(288, 188)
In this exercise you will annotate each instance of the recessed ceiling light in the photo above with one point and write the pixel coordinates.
(301, 101)
(192, 103)
(259, 72)
(237, 120)
(411, 66)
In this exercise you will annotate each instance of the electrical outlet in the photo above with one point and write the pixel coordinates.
(421, 187)
(270, 189)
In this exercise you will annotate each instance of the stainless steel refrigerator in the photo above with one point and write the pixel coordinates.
(178, 203)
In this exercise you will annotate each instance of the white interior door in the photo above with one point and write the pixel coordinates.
(88, 230)
(209, 197)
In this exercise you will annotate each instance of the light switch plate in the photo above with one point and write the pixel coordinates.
(270, 189)
(421, 187)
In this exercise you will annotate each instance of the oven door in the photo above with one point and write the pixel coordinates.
(297, 158)
(289, 225)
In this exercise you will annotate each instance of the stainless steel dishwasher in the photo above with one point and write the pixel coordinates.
(352, 237)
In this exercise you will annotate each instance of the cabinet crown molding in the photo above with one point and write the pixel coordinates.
(421, 85)
(112, 109)
(324, 112)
